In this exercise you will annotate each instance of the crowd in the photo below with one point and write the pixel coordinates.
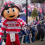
(32, 31)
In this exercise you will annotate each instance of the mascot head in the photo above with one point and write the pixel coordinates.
(10, 10)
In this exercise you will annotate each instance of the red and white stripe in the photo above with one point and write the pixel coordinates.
(12, 26)
(1, 32)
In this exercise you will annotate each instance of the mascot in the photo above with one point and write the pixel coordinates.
(12, 24)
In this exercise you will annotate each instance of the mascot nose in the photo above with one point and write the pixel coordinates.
(11, 13)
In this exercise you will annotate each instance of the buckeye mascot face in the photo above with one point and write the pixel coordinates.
(10, 10)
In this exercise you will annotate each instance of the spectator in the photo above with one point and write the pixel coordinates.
(20, 34)
(33, 33)
(30, 11)
(23, 33)
(39, 15)
(39, 31)
(42, 32)
(42, 17)
(27, 36)
(36, 19)
(30, 37)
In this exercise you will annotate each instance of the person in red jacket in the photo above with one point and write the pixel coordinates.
(12, 24)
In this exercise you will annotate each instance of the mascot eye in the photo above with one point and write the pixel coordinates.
(13, 10)
(8, 11)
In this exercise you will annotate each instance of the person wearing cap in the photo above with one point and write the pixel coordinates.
(12, 24)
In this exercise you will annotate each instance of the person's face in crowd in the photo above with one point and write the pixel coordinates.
(26, 26)
(23, 27)
(31, 26)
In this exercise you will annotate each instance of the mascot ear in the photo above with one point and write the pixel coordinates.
(18, 16)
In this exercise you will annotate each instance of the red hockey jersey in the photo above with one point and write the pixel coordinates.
(12, 26)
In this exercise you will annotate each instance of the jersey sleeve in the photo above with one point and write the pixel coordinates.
(22, 22)
(3, 28)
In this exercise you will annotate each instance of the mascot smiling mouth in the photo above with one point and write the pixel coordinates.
(11, 16)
